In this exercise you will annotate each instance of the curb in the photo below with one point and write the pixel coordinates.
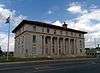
(42, 61)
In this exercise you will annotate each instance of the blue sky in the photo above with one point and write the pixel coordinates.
(38, 9)
(78, 14)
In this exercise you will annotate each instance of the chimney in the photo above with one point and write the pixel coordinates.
(64, 25)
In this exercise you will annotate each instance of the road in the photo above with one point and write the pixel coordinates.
(84, 66)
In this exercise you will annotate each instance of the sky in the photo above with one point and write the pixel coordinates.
(78, 14)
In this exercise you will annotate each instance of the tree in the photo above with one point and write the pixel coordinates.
(1, 52)
(87, 48)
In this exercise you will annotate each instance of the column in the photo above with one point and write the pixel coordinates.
(69, 46)
(44, 46)
(66, 46)
(74, 47)
(62, 45)
(64, 51)
(51, 46)
(48, 45)
(83, 43)
(78, 47)
(57, 45)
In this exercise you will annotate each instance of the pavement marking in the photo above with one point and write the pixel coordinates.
(37, 67)
(53, 68)
(53, 64)
(93, 62)
(44, 67)
(40, 66)
(16, 68)
(50, 69)
(61, 68)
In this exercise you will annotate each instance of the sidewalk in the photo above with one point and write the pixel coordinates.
(55, 60)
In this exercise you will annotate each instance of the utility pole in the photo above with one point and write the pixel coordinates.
(98, 46)
(95, 42)
(8, 21)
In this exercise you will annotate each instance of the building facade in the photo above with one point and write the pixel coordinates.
(38, 39)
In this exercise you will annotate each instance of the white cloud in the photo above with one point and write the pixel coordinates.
(50, 12)
(17, 19)
(53, 10)
(47, 21)
(5, 13)
(89, 21)
(2, 5)
(3, 41)
(14, 19)
(75, 9)
(85, 21)
(58, 23)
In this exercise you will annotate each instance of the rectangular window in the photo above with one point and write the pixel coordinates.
(80, 44)
(19, 31)
(46, 41)
(19, 41)
(75, 34)
(22, 49)
(22, 42)
(34, 39)
(42, 29)
(54, 31)
(33, 50)
(66, 33)
(22, 28)
(71, 33)
(22, 39)
(34, 28)
(79, 35)
(22, 46)
(48, 30)
(61, 32)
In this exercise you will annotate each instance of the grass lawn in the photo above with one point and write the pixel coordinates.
(14, 59)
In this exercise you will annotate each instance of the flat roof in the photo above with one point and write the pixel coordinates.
(42, 24)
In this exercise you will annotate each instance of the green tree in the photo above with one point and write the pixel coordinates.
(1, 52)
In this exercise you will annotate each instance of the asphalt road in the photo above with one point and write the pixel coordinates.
(84, 66)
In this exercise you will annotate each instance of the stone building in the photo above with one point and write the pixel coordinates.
(38, 39)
